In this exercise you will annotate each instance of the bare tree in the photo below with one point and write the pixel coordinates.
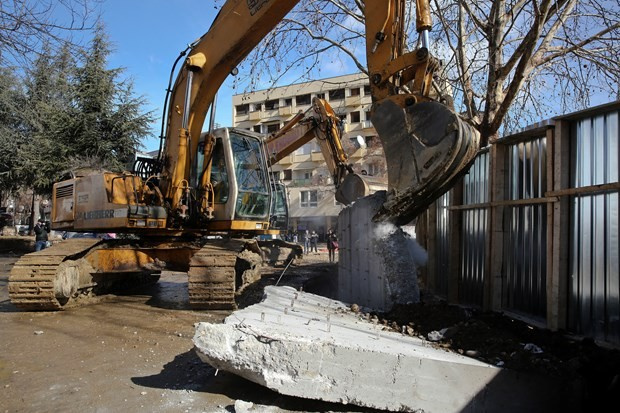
(509, 62)
(26, 25)
(516, 59)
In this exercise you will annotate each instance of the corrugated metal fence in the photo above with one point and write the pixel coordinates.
(536, 221)
(526, 228)
(474, 232)
(594, 304)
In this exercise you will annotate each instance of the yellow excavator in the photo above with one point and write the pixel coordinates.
(199, 206)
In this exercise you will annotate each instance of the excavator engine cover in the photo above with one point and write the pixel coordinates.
(427, 148)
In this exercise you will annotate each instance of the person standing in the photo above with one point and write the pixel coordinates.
(307, 241)
(41, 231)
(332, 244)
(314, 241)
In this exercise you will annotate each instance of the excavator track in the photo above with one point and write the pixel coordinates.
(62, 275)
(213, 270)
(34, 283)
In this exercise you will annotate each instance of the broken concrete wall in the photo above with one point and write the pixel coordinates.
(304, 345)
(377, 262)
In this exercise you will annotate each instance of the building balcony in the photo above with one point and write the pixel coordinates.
(287, 160)
(241, 117)
(317, 157)
(300, 182)
(302, 158)
(256, 115)
(270, 113)
(353, 100)
(359, 153)
(367, 125)
(285, 111)
(352, 127)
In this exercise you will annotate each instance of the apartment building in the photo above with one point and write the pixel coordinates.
(309, 183)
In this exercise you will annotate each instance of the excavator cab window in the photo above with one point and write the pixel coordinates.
(219, 176)
(252, 181)
(279, 207)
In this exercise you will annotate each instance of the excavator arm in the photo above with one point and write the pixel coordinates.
(237, 29)
(426, 144)
(321, 123)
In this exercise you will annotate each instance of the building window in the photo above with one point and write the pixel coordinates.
(302, 99)
(288, 102)
(373, 169)
(336, 94)
(256, 128)
(272, 104)
(274, 127)
(309, 199)
(320, 95)
(366, 90)
(355, 117)
(275, 176)
(242, 109)
(256, 107)
(306, 149)
(288, 175)
(367, 114)
(355, 91)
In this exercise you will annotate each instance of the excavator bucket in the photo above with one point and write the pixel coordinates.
(427, 148)
(355, 186)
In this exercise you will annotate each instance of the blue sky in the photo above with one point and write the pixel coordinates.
(148, 36)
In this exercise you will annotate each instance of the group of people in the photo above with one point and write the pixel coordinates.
(311, 240)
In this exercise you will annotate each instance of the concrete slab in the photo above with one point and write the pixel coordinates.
(305, 345)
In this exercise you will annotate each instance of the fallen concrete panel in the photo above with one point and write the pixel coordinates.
(309, 346)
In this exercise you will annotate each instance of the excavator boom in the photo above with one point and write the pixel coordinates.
(426, 144)
(321, 123)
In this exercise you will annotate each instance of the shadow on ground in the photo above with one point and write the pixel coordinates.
(188, 372)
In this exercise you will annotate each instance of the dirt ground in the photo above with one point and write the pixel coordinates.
(134, 352)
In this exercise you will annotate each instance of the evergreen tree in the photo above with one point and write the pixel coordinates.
(110, 124)
(76, 117)
(43, 155)
(12, 100)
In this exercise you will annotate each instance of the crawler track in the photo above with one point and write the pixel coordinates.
(72, 270)
(212, 275)
(32, 282)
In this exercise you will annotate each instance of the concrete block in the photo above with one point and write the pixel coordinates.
(377, 262)
(304, 345)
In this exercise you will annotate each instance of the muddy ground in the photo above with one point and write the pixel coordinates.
(133, 353)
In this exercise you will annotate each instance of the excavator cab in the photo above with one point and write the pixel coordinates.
(239, 179)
